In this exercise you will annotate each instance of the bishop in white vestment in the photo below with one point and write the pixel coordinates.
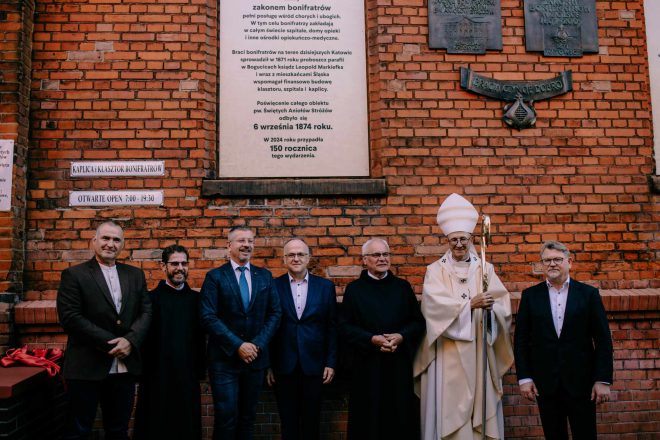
(448, 365)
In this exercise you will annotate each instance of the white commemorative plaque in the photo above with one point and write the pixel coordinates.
(6, 167)
(293, 89)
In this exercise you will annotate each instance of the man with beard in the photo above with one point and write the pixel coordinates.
(169, 400)
(382, 324)
(105, 311)
(240, 310)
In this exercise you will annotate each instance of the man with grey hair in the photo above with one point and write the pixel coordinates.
(240, 310)
(563, 348)
(381, 323)
(105, 311)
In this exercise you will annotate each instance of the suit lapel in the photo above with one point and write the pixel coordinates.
(124, 286)
(256, 285)
(97, 275)
(312, 297)
(571, 307)
(285, 286)
(230, 279)
(547, 308)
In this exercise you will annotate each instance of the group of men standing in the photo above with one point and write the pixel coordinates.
(284, 331)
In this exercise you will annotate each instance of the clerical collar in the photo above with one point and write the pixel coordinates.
(375, 277)
(181, 286)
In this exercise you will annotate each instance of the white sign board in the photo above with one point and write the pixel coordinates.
(293, 89)
(6, 168)
(115, 198)
(118, 168)
(652, 13)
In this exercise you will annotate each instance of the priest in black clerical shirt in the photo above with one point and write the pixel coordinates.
(382, 323)
(169, 403)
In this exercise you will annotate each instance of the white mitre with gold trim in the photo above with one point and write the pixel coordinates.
(456, 214)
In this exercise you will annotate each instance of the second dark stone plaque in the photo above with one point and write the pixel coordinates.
(465, 26)
(561, 28)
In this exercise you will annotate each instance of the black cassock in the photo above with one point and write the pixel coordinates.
(169, 403)
(382, 402)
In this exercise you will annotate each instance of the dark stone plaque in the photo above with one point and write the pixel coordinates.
(519, 111)
(561, 28)
(465, 26)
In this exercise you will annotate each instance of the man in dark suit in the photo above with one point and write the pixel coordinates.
(304, 349)
(240, 310)
(104, 308)
(563, 348)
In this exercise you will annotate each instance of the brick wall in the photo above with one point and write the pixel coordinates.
(137, 79)
(15, 70)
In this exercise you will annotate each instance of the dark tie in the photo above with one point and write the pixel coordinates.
(245, 290)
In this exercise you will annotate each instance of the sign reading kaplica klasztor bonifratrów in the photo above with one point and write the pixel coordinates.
(118, 168)
(6, 167)
(293, 89)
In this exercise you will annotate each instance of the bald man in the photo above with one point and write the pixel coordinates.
(304, 349)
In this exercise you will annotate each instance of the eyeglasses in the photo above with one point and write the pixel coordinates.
(177, 263)
(462, 240)
(298, 255)
(378, 255)
(549, 261)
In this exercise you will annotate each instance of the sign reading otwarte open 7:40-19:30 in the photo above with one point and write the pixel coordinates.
(293, 89)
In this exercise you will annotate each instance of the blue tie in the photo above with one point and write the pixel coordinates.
(245, 290)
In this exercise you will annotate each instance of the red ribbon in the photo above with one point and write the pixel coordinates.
(39, 357)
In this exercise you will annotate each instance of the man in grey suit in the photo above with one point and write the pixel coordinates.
(104, 308)
(240, 310)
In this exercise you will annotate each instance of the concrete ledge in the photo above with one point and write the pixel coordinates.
(44, 312)
(293, 187)
(15, 380)
(36, 312)
(618, 300)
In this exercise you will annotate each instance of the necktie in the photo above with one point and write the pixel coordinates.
(245, 290)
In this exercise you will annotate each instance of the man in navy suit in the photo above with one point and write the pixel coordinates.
(304, 349)
(240, 310)
(563, 348)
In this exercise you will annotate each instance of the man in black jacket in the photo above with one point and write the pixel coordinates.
(563, 348)
(104, 309)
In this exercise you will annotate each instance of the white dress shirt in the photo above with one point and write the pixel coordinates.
(112, 280)
(248, 276)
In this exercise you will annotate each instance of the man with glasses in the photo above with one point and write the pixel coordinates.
(240, 310)
(448, 366)
(169, 400)
(563, 348)
(303, 351)
(382, 324)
